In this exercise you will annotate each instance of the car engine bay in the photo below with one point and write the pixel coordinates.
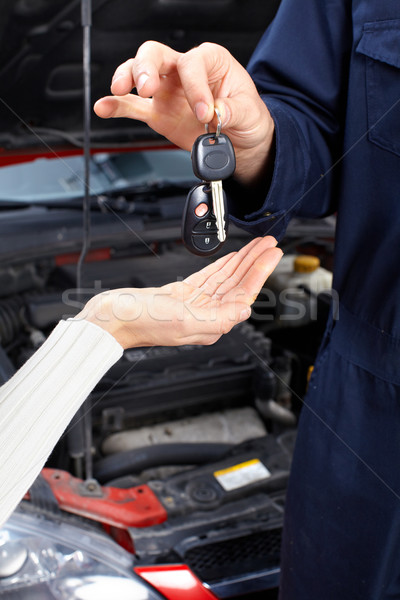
(204, 433)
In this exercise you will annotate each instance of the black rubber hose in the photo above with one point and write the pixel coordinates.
(41, 496)
(11, 319)
(139, 459)
(7, 369)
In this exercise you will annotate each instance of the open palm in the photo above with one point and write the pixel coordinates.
(197, 310)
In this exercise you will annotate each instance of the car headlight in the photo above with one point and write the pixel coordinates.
(44, 558)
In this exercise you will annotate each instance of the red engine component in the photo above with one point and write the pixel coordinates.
(133, 507)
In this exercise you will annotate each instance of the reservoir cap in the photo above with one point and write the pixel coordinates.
(306, 263)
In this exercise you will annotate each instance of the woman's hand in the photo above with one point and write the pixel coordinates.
(197, 310)
(177, 94)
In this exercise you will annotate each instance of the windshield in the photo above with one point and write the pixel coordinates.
(59, 179)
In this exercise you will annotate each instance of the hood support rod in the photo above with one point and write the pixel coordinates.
(84, 413)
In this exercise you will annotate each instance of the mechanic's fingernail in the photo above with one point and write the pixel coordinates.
(225, 114)
(143, 77)
(245, 313)
(201, 110)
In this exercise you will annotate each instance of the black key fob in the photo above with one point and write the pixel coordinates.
(213, 158)
(199, 226)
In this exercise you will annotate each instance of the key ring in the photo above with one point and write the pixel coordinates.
(219, 126)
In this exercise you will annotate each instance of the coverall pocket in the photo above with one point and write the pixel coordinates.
(380, 44)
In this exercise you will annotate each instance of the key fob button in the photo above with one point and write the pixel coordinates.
(201, 210)
(216, 160)
(205, 242)
(206, 226)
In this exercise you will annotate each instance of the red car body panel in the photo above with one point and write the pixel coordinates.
(175, 582)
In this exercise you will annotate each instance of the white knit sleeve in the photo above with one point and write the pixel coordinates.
(39, 401)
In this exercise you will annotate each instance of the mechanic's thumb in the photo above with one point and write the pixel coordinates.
(233, 112)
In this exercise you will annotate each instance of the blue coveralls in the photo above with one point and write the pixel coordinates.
(329, 72)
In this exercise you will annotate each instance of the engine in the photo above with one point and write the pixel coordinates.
(206, 433)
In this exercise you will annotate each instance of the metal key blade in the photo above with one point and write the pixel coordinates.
(221, 213)
(219, 208)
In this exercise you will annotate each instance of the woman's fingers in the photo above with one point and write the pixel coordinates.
(216, 277)
(232, 273)
(215, 273)
(197, 279)
(214, 319)
(253, 280)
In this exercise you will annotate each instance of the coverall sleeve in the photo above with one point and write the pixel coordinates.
(300, 68)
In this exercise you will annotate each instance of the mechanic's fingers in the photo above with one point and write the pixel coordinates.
(129, 106)
(207, 64)
(143, 72)
(252, 282)
(231, 274)
(153, 60)
(240, 110)
(122, 81)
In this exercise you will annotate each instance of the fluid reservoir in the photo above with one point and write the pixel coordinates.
(295, 284)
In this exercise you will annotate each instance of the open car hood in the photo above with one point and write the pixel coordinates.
(41, 73)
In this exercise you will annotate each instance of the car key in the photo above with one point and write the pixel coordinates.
(213, 159)
(199, 224)
(205, 222)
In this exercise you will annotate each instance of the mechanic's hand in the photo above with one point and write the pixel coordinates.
(197, 310)
(177, 94)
